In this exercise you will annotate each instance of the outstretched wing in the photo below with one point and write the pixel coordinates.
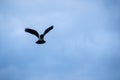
(47, 30)
(32, 31)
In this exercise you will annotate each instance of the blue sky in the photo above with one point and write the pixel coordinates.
(84, 44)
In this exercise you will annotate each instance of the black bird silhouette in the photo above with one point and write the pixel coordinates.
(41, 36)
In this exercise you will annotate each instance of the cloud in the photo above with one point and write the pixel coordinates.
(84, 43)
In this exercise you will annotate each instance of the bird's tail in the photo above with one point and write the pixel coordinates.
(40, 41)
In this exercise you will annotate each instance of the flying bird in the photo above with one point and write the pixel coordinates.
(39, 36)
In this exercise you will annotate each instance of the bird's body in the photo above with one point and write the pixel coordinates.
(40, 37)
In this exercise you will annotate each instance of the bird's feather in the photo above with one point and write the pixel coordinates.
(32, 31)
(47, 30)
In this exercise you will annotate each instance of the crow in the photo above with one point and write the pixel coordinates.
(41, 36)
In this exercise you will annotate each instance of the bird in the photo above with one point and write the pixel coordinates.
(39, 36)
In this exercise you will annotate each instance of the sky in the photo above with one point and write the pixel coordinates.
(84, 44)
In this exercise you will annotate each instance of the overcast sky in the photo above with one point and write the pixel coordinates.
(84, 44)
